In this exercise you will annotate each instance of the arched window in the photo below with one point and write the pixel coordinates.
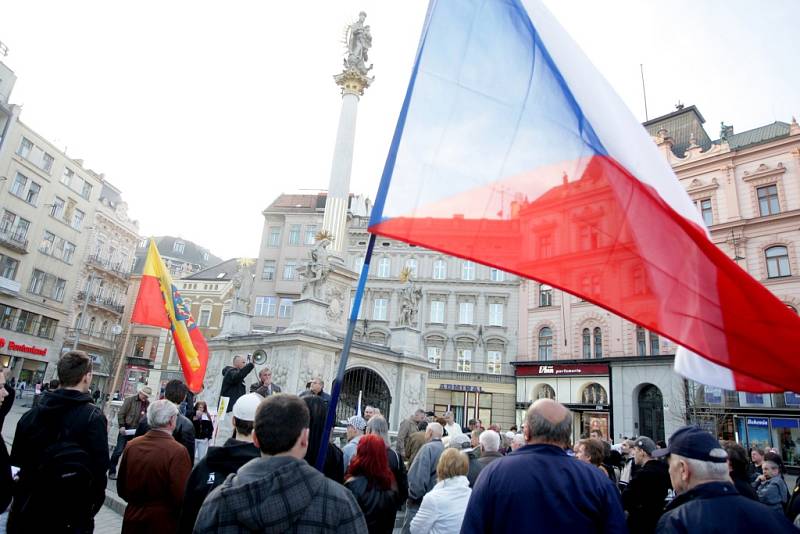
(545, 343)
(777, 262)
(587, 343)
(104, 329)
(598, 342)
(92, 322)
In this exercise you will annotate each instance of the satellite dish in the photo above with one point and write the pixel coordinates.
(116, 329)
(260, 357)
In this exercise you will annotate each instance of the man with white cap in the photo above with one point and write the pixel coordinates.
(355, 431)
(219, 462)
(133, 410)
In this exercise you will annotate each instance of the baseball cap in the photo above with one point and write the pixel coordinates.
(459, 441)
(693, 442)
(646, 444)
(245, 407)
(357, 422)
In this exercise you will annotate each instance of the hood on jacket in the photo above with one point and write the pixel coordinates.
(61, 400)
(268, 481)
(226, 369)
(231, 456)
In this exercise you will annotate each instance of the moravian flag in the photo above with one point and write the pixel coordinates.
(513, 151)
(160, 304)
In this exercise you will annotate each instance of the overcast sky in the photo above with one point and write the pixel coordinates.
(203, 112)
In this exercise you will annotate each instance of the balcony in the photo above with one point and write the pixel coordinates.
(9, 286)
(92, 339)
(14, 240)
(104, 264)
(103, 303)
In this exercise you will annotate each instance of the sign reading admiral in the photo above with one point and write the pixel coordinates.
(563, 369)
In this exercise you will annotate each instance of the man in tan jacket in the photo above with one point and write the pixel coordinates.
(133, 409)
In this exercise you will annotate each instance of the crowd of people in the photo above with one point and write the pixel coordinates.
(446, 478)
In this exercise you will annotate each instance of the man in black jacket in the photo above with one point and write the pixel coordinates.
(66, 417)
(175, 392)
(233, 380)
(219, 462)
(644, 496)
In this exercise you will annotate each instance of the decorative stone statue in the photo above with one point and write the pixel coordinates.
(317, 269)
(359, 41)
(409, 304)
(242, 283)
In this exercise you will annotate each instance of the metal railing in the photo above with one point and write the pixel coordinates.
(14, 240)
(115, 268)
(103, 302)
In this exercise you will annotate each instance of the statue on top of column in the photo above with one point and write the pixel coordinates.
(242, 283)
(359, 41)
(318, 267)
(410, 296)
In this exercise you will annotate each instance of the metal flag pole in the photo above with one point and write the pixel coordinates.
(348, 340)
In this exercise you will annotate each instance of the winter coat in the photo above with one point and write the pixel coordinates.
(442, 510)
(6, 483)
(772, 492)
(488, 457)
(36, 430)
(8, 402)
(264, 391)
(203, 429)
(414, 443)
(209, 473)
(280, 494)
(133, 410)
(717, 508)
(398, 469)
(743, 486)
(233, 383)
(407, 427)
(183, 433)
(152, 479)
(644, 496)
(422, 475)
(473, 455)
(542, 482)
(378, 505)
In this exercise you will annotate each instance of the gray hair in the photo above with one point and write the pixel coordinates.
(377, 425)
(540, 428)
(436, 430)
(160, 412)
(239, 357)
(490, 441)
(708, 471)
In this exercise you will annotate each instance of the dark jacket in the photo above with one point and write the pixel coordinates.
(152, 479)
(233, 383)
(289, 496)
(570, 496)
(473, 455)
(793, 506)
(487, 457)
(183, 433)
(398, 469)
(6, 483)
(209, 473)
(742, 484)
(203, 429)
(38, 428)
(378, 505)
(643, 497)
(717, 508)
(7, 403)
(264, 391)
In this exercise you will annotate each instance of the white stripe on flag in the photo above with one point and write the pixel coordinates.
(695, 367)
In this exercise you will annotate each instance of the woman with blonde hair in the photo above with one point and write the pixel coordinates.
(442, 510)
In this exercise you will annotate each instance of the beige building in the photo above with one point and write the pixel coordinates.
(618, 377)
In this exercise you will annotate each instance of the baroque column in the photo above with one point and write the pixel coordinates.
(353, 80)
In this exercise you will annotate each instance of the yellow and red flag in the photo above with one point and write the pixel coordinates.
(160, 304)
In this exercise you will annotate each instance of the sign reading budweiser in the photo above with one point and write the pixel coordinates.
(563, 369)
(21, 347)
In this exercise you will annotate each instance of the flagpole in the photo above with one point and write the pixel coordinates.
(348, 340)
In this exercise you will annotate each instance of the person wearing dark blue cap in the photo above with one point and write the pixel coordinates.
(707, 501)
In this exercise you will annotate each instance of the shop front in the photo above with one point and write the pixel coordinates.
(583, 388)
(27, 361)
(489, 398)
(781, 433)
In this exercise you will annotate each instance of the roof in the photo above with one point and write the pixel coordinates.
(192, 253)
(681, 125)
(299, 202)
(762, 134)
(220, 271)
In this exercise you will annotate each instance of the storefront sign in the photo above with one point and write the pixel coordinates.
(563, 369)
(791, 399)
(461, 387)
(757, 421)
(21, 347)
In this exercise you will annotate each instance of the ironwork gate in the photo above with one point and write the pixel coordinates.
(651, 413)
(374, 392)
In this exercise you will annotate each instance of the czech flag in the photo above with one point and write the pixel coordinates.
(513, 151)
(160, 304)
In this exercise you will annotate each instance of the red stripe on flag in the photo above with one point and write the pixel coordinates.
(149, 307)
(610, 239)
(194, 378)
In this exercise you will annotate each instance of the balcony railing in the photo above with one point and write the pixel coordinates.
(94, 338)
(114, 268)
(103, 302)
(14, 240)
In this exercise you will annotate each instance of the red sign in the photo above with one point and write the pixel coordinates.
(562, 369)
(21, 347)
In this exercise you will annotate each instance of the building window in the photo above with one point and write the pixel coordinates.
(46, 246)
(26, 322)
(777, 262)
(546, 343)
(47, 327)
(704, 205)
(437, 311)
(268, 273)
(274, 236)
(641, 341)
(47, 162)
(496, 314)
(384, 267)
(37, 282)
(178, 247)
(33, 193)
(411, 265)
(69, 252)
(654, 344)
(465, 312)
(285, 308)
(311, 234)
(439, 270)
(25, 147)
(358, 264)
(8, 267)
(6, 316)
(77, 219)
(265, 306)
(589, 237)
(57, 209)
(288, 270)
(467, 270)
(586, 343)
(435, 356)
(205, 318)
(86, 190)
(464, 364)
(66, 178)
(496, 275)
(768, 200)
(294, 234)
(58, 289)
(545, 296)
(545, 246)
(19, 185)
(598, 343)
(494, 362)
(379, 309)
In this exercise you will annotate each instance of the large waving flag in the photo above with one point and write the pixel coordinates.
(513, 151)
(160, 304)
